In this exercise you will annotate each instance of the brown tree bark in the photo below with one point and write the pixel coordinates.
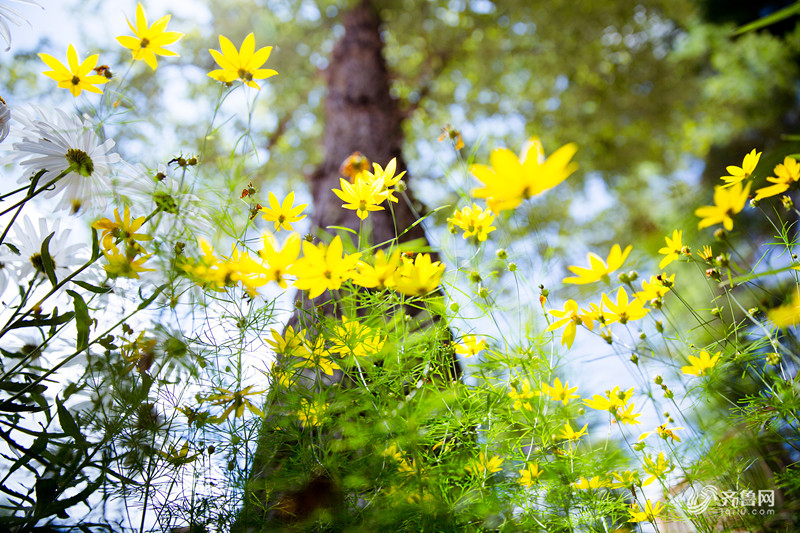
(361, 116)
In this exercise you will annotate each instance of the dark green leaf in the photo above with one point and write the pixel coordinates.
(47, 261)
(92, 288)
(82, 320)
(68, 424)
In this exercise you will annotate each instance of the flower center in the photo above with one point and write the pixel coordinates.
(145, 43)
(38, 264)
(75, 80)
(245, 75)
(80, 162)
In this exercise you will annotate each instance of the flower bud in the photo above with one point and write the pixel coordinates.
(501, 254)
(659, 326)
(773, 358)
(454, 307)
(658, 379)
(634, 359)
(787, 202)
(475, 277)
(512, 267)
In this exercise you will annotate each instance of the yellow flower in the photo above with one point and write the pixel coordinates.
(570, 317)
(76, 78)
(706, 253)
(354, 338)
(737, 174)
(311, 414)
(655, 288)
(125, 265)
(290, 344)
(355, 164)
(788, 314)
(649, 513)
(319, 356)
(599, 269)
(419, 277)
(657, 469)
(510, 180)
(786, 175)
(243, 64)
(624, 310)
(323, 267)
(122, 228)
(481, 466)
(381, 274)
(530, 475)
(149, 41)
(701, 365)
(448, 132)
(362, 196)
(727, 202)
(625, 415)
(613, 401)
(388, 178)
(474, 221)
(625, 479)
(521, 398)
(470, 345)
(279, 261)
(590, 484)
(559, 392)
(283, 214)
(236, 402)
(664, 432)
(672, 250)
(570, 434)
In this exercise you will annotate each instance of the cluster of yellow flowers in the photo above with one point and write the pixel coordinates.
(322, 267)
(122, 231)
(149, 41)
(367, 190)
(730, 198)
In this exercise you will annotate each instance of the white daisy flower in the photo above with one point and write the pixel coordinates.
(64, 144)
(5, 119)
(28, 239)
(13, 16)
(181, 214)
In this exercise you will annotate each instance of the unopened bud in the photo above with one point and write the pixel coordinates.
(454, 307)
(658, 379)
(634, 359)
(773, 358)
(720, 234)
(475, 277)
(716, 311)
(659, 326)
(512, 267)
(501, 254)
(787, 202)
(714, 274)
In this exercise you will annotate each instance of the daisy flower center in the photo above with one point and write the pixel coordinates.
(76, 80)
(38, 264)
(245, 75)
(145, 43)
(80, 162)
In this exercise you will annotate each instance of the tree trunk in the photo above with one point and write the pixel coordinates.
(361, 116)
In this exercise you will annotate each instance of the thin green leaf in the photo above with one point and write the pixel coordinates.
(773, 18)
